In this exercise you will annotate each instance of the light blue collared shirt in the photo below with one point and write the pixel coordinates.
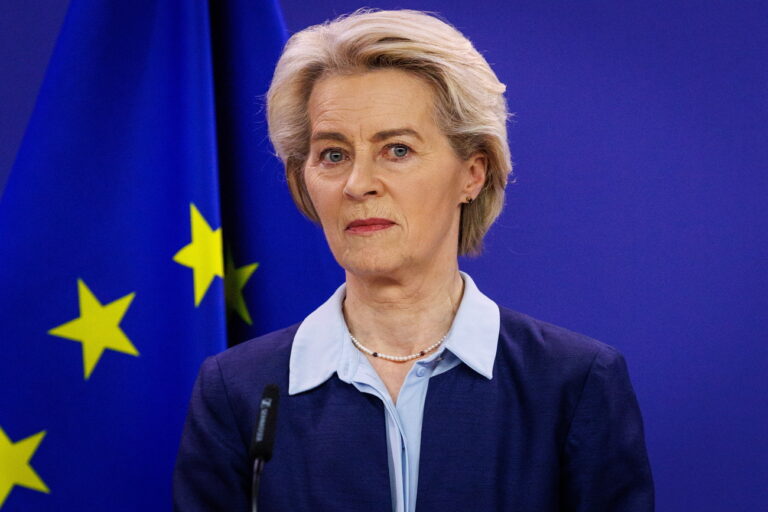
(322, 347)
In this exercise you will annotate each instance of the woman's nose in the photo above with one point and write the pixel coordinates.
(362, 181)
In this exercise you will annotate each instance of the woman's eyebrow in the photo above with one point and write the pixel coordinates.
(329, 136)
(377, 137)
(397, 132)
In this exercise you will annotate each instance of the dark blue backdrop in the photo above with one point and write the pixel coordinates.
(639, 216)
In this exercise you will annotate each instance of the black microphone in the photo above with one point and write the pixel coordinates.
(263, 437)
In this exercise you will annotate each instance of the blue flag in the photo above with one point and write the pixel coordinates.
(145, 221)
(296, 271)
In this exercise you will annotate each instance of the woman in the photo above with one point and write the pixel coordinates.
(409, 389)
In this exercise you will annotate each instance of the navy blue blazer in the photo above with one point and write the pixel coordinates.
(558, 428)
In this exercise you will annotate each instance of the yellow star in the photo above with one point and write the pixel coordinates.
(234, 281)
(14, 464)
(204, 254)
(97, 328)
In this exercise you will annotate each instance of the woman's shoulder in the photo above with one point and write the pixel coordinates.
(266, 354)
(529, 343)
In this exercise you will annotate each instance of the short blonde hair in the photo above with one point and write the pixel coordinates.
(469, 99)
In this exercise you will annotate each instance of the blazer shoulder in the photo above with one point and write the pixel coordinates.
(534, 340)
(263, 354)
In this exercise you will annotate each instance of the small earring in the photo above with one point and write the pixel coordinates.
(470, 199)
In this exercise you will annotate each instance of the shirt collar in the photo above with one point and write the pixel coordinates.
(474, 334)
(318, 345)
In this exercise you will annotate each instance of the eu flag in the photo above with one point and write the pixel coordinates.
(143, 223)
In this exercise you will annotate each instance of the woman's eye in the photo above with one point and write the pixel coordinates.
(398, 150)
(333, 156)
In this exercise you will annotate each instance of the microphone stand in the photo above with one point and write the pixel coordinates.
(263, 438)
(258, 466)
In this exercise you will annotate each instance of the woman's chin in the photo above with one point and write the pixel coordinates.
(366, 263)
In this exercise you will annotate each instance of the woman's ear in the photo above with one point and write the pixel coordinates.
(476, 169)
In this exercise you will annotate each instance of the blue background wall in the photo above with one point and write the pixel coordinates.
(639, 216)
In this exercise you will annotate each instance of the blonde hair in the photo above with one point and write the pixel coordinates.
(469, 99)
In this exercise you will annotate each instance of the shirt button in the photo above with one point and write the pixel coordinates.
(421, 371)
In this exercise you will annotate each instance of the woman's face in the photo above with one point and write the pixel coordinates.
(382, 177)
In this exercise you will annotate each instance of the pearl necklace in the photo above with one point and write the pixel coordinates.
(398, 359)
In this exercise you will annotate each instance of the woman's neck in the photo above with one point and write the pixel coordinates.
(402, 316)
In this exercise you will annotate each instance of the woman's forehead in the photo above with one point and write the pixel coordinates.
(371, 102)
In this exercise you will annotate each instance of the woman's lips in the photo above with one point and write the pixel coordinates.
(368, 225)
